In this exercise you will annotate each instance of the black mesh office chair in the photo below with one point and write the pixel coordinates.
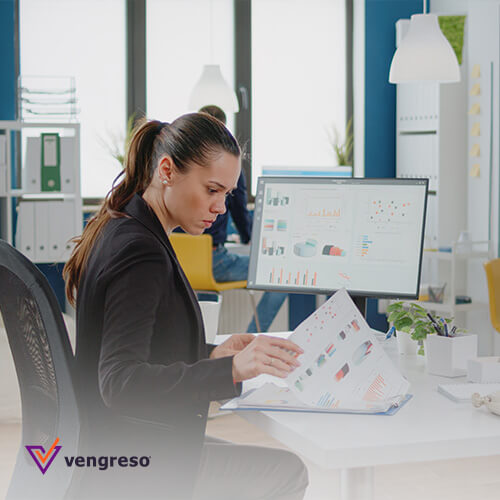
(43, 359)
(44, 364)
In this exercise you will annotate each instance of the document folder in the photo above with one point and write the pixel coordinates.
(51, 162)
(270, 397)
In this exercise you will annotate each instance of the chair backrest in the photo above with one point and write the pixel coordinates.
(492, 269)
(195, 257)
(44, 365)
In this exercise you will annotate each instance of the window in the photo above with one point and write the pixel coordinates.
(84, 39)
(182, 37)
(298, 82)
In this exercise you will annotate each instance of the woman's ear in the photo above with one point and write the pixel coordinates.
(166, 170)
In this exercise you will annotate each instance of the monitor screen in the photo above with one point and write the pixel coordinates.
(319, 234)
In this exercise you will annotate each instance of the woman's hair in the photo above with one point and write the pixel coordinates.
(195, 138)
(214, 111)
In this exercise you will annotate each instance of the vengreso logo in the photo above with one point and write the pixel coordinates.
(104, 463)
(44, 459)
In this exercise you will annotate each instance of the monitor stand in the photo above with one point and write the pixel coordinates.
(360, 302)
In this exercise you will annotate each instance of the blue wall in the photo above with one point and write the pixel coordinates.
(7, 61)
(380, 95)
(380, 98)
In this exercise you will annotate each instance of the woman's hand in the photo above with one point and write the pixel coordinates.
(271, 355)
(233, 345)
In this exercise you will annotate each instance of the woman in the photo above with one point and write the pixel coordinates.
(141, 355)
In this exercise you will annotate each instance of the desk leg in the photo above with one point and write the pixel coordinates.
(356, 483)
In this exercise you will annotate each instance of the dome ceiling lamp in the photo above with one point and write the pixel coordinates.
(424, 54)
(212, 88)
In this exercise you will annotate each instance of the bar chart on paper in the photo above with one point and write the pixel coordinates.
(376, 390)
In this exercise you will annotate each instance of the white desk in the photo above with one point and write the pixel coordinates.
(428, 427)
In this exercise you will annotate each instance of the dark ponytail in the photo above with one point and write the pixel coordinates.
(196, 138)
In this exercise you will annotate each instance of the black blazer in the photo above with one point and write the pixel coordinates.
(141, 348)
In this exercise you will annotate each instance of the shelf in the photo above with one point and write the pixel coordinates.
(19, 193)
(447, 307)
(18, 125)
(458, 255)
(458, 251)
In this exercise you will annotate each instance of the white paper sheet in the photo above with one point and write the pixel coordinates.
(342, 359)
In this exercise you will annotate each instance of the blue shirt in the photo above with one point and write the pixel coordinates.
(236, 205)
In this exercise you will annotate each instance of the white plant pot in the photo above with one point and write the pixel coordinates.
(448, 356)
(406, 345)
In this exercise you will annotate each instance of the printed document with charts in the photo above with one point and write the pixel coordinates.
(343, 368)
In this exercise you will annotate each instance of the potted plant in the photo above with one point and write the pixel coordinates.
(117, 145)
(342, 148)
(413, 320)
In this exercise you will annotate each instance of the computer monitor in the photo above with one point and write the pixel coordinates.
(319, 234)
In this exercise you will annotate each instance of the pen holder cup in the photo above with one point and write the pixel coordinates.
(436, 293)
(448, 356)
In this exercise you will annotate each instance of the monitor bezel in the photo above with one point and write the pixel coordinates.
(254, 244)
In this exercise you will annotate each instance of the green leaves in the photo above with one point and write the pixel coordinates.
(343, 148)
(412, 318)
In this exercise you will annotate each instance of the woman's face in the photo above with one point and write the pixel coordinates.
(195, 199)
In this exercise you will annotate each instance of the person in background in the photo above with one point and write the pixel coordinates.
(229, 266)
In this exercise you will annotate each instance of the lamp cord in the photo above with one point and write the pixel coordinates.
(211, 32)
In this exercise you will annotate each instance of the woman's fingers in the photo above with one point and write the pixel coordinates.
(284, 356)
(285, 344)
(275, 361)
(278, 368)
(266, 354)
(246, 338)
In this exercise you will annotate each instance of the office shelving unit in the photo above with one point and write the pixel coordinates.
(460, 255)
(14, 195)
(431, 127)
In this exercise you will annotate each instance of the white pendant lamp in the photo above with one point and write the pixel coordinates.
(424, 54)
(213, 89)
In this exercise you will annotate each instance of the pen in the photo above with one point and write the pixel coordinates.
(435, 324)
(445, 327)
(390, 333)
(453, 330)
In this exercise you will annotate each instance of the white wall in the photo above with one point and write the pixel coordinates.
(482, 47)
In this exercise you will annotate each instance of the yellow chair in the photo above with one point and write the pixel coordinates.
(492, 269)
(195, 257)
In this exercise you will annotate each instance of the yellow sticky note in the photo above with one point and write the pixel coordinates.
(475, 131)
(475, 89)
(475, 170)
(475, 109)
(475, 150)
(476, 71)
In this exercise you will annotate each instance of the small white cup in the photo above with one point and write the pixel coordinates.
(210, 313)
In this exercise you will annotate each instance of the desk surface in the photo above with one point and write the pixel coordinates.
(428, 427)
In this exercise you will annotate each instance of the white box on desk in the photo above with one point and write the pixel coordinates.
(484, 370)
(448, 356)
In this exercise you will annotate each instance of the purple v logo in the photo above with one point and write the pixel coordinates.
(42, 459)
